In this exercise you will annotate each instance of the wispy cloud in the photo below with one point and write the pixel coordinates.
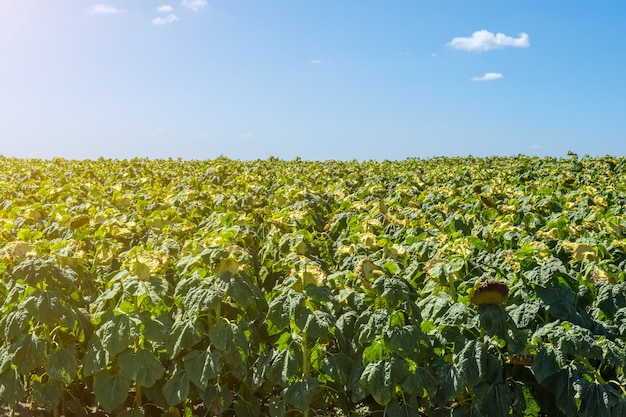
(319, 61)
(484, 40)
(170, 18)
(105, 9)
(194, 5)
(490, 76)
(166, 8)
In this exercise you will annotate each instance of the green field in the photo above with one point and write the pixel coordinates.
(284, 288)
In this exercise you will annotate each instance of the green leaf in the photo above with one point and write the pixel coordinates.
(202, 367)
(141, 366)
(176, 389)
(374, 352)
(377, 380)
(564, 385)
(435, 305)
(548, 361)
(298, 393)
(34, 271)
(318, 293)
(466, 412)
(45, 306)
(242, 291)
(119, 333)
(493, 320)
(28, 353)
(285, 365)
(111, 390)
(14, 323)
(317, 325)
(611, 298)
(471, 362)
(392, 290)
(246, 403)
(156, 329)
(63, 365)
(47, 396)
(96, 357)
(337, 368)
(559, 300)
(596, 401)
(220, 334)
(493, 400)
(523, 314)
(282, 308)
(217, 398)
(458, 314)
(202, 299)
(155, 288)
(421, 382)
(6, 359)
(450, 382)
(578, 341)
(372, 325)
(397, 409)
(11, 388)
(551, 269)
(185, 334)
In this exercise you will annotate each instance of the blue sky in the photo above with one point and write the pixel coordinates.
(322, 79)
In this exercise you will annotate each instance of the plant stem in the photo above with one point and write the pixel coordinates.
(138, 395)
(305, 365)
(305, 358)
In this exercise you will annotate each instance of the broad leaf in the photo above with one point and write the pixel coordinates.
(47, 396)
(547, 362)
(119, 333)
(596, 401)
(471, 362)
(202, 366)
(96, 358)
(176, 389)
(28, 353)
(11, 387)
(185, 334)
(63, 365)
(141, 366)
(110, 390)
(377, 380)
(298, 394)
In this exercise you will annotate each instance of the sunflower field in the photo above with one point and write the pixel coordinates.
(460, 287)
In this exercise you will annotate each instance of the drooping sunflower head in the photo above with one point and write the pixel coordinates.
(492, 292)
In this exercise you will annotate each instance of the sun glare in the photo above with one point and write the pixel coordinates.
(13, 15)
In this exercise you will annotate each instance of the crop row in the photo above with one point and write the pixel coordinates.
(291, 287)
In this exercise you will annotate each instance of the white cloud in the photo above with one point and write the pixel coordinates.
(103, 8)
(170, 18)
(490, 76)
(484, 41)
(166, 8)
(194, 5)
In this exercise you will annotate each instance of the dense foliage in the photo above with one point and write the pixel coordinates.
(149, 287)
